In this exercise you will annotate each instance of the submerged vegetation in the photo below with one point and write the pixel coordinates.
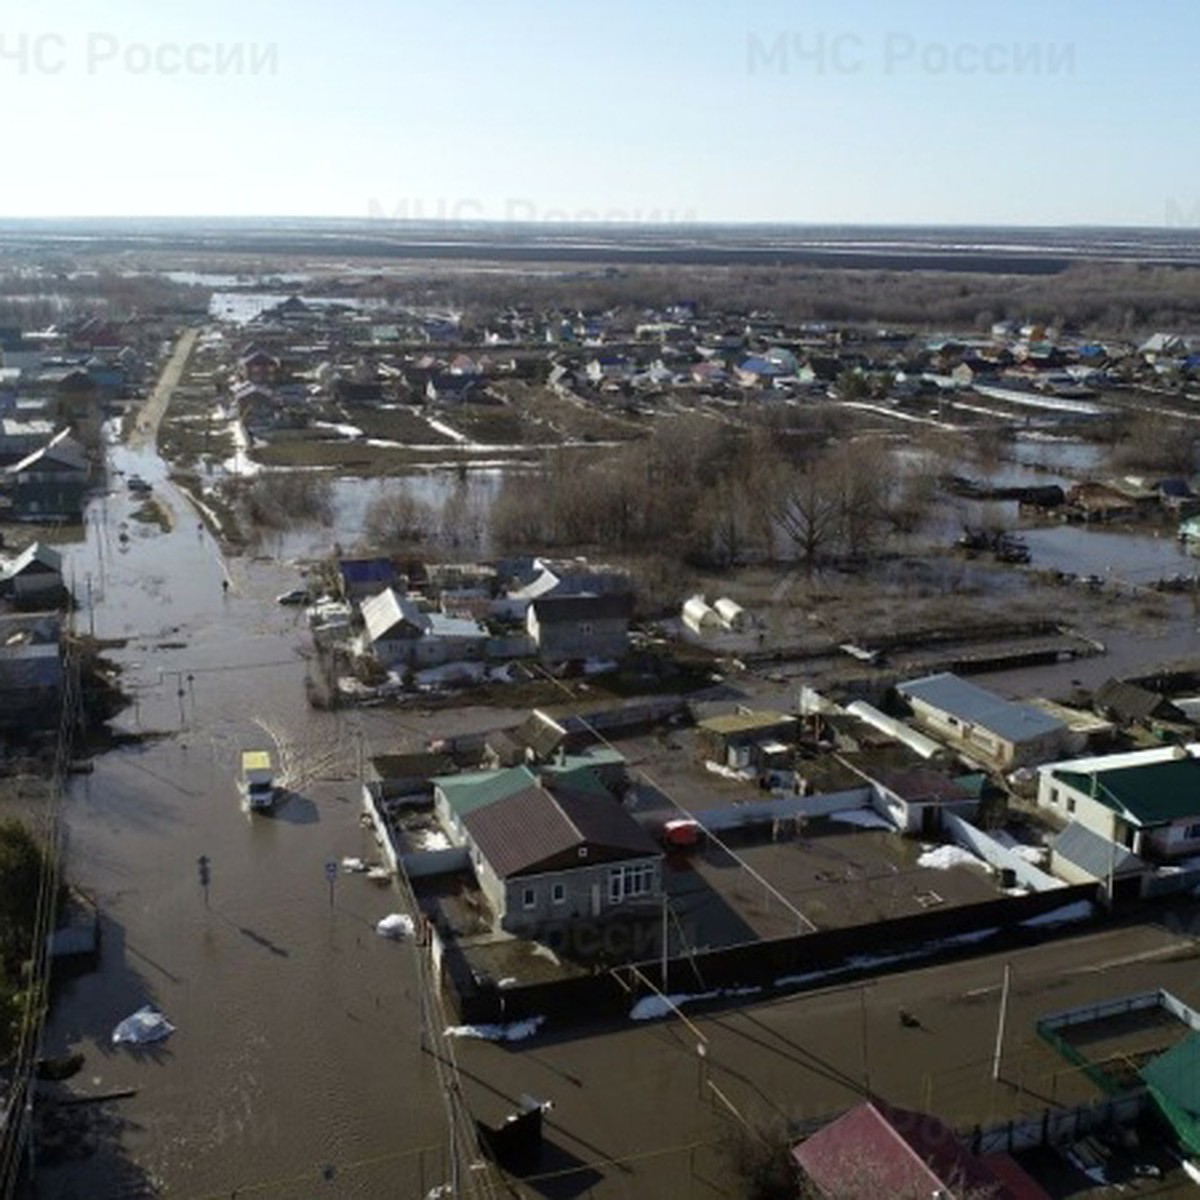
(22, 864)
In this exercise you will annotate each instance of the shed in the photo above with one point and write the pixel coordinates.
(733, 616)
(1080, 855)
(699, 616)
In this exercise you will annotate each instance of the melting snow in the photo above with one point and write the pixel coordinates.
(945, 858)
(516, 1032)
(1081, 910)
(865, 818)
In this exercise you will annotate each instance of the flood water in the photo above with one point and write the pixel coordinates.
(352, 499)
(296, 1067)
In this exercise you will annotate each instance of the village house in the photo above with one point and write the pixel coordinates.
(983, 727)
(547, 849)
(1131, 704)
(31, 672)
(579, 627)
(747, 739)
(536, 740)
(255, 365)
(397, 632)
(359, 578)
(34, 579)
(877, 1150)
(1146, 801)
(20, 437)
(51, 483)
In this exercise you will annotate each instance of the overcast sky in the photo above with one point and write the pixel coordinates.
(927, 112)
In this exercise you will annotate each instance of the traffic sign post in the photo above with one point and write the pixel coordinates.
(331, 874)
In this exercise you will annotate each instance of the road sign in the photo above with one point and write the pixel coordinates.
(331, 870)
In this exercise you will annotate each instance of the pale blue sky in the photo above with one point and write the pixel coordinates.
(936, 111)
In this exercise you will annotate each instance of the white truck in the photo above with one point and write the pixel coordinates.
(256, 783)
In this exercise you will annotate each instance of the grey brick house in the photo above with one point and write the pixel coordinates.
(579, 627)
(548, 850)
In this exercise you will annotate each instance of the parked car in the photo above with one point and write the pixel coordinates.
(294, 596)
(137, 485)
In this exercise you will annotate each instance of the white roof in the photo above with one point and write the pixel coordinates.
(383, 612)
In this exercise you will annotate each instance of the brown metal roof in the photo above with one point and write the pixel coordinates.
(519, 832)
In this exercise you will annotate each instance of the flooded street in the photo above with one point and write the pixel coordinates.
(296, 1067)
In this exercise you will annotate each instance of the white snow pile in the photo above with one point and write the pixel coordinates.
(431, 839)
(864, 818)
(396, 925)
(450, 673)
(1031, 854)
(515, 1032)
(143, 1027)
(728, 772)
(946, 858)
(1080, 910)
(860, 962)
(650, 1008)
(599, 666)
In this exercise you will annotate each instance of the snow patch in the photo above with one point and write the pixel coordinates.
(515, 1032)
(650, 1008)
(397, 926)
(864, 818)
(1081, 910)
(946, 858)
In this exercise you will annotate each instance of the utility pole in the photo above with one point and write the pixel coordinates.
(665, 939)
(866, 1049)
(1001, 1023)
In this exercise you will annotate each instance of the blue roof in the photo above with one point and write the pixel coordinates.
(439, 625)
(1007, 719)
(366, 570)
(760, 366)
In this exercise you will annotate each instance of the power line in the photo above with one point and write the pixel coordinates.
(709, 834)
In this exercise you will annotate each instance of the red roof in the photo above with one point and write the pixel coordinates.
(876, 1150)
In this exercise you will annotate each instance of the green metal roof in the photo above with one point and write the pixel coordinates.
(1174, 1081)
(477, 789)
(589, 759)
(1152, 794)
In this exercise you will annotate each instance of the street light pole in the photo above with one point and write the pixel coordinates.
(1001, 1023)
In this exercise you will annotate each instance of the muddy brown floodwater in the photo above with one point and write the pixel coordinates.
(296, 1066)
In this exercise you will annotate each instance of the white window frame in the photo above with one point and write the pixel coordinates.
(558, 893)
(630, 881)
(528, 897)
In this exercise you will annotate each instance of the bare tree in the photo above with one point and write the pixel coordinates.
(398, 521)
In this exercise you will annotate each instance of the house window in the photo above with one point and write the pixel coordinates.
(1054, 795)
(629, 882)
(558, 893)
(529, 898)
(1070, 803)
(1192, 833)
(586, 629)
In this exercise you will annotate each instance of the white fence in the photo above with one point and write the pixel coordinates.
(998, 855)
(760, 811)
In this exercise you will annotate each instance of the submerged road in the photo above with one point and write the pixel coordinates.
(296, 1066)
